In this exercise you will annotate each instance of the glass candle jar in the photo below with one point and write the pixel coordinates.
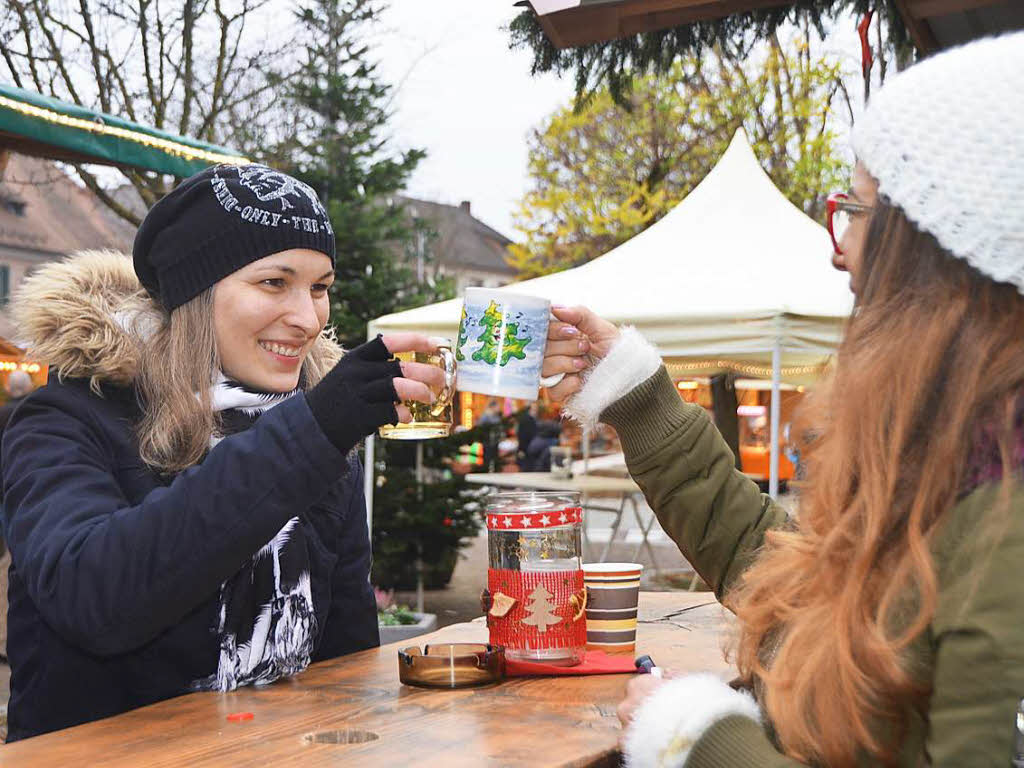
(535, 599)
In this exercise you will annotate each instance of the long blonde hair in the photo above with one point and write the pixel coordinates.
(829, 608)
(177, 365)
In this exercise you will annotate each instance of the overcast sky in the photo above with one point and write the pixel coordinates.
(465, 98)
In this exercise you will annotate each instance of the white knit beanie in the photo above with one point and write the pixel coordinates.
(945, 141)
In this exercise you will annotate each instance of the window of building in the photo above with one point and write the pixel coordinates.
(5, 284)
(12, 205)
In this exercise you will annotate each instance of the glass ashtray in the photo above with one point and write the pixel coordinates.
(451, 665)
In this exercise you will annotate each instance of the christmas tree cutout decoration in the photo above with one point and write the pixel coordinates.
(540, 609)
(511, 346)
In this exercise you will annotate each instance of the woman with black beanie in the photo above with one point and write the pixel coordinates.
(182, 500)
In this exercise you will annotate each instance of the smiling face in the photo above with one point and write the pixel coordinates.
(267, 315)
(863, 190)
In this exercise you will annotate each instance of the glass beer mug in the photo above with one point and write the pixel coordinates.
(428, 420)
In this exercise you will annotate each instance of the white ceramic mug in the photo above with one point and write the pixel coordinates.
(500, 350)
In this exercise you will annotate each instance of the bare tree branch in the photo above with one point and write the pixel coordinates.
(188, 31)
(94, 55)
(55, 52)
(94, 186)
(26, 28)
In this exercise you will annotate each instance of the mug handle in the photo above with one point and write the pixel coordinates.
(445, 398)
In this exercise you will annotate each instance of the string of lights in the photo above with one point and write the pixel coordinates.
(748, 369)
(98, 127)
(10, 365)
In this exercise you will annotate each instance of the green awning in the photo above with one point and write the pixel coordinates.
(39, 125)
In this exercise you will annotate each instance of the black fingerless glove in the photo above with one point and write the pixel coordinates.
(357, 395)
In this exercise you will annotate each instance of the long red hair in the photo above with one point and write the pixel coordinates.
(829, 608)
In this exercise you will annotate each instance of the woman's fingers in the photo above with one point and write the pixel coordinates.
(404, 414)
(559, 330)
(598, 331)
(566, 388)
(568, 347)
(637, 690)
(562, 364)
(430, 375)
(582, 318)
(408, 342)
(407, 389)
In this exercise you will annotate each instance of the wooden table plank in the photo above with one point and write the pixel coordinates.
(566, 721)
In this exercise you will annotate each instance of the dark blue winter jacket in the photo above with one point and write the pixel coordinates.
(116, 570)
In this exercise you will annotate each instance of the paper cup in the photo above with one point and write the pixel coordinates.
(613, 590)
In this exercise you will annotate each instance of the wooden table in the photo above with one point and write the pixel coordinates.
(563, 721)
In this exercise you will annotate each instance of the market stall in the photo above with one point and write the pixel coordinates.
(734, 279)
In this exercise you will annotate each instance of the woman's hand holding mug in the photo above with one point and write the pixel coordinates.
(578, 340)
(419, 381)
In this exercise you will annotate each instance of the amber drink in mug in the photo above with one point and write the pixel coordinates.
(428, 420)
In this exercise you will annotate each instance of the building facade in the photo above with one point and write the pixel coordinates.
(44, 215)
(465, 248)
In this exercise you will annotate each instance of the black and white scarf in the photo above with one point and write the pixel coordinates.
(266, 622)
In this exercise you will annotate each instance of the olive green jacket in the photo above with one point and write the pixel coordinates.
(973, 649)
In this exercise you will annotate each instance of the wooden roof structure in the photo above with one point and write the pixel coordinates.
(931, 24)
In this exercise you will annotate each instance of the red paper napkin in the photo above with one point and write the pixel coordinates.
(594, 663)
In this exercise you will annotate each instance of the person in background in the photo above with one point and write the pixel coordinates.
(183, 502)
(884, 624)
(538, 453)
(491, 419)
(526, 430)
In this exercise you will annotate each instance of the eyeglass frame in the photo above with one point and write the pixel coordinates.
(839, 201)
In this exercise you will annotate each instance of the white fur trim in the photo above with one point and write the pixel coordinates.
(669, 723)
(631, 361)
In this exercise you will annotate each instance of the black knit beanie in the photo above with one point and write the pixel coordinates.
(221, 219)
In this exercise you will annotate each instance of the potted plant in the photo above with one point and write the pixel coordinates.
(397, 622)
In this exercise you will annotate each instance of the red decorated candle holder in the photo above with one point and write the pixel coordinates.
(535, 599)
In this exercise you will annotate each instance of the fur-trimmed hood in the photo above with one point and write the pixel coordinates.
(87, 316)
(73, 315)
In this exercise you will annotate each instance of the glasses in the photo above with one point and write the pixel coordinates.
(840, 210)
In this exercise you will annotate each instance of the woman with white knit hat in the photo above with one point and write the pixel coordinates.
(885, 625)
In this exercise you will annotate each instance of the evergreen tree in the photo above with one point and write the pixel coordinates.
(614, 63)
(338, 144)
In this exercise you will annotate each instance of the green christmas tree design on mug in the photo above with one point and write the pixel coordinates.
(511, 345)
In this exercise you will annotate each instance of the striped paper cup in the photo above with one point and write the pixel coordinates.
(613, 590)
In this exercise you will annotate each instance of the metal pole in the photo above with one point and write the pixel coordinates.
(419, 546)
(773, 471)
(586, 450)
(368, 482)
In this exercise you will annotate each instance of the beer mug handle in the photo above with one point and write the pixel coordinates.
(445, 398)
(549, 381)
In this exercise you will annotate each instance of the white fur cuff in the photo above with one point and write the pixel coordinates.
(669, 723)
(631, 361)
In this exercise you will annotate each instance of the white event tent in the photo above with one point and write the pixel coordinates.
(734, 278)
